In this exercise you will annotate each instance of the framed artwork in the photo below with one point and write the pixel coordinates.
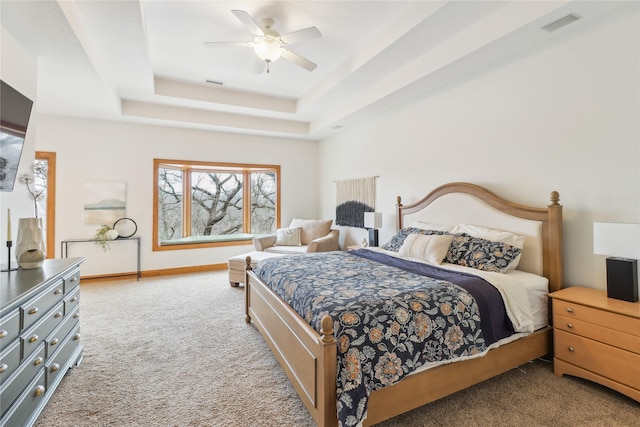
(104, 201)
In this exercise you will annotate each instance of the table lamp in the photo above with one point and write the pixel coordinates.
(373, 221)
(621, 243)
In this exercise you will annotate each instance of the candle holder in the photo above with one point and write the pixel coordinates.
(9, 244)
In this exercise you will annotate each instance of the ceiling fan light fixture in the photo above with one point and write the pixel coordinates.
(268, 49)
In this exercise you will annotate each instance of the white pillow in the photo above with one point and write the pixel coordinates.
(428, 226)
(495, 236)
(490, 234)
(430, 248)
(288, 237)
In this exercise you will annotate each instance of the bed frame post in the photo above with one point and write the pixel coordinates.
(398, 214)
(327, 381)
(554, 241)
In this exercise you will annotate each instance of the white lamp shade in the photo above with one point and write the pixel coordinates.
(616, 240)
(373, 220)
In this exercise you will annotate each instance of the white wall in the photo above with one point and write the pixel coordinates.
(564, 117)
(19, 70)
(113, 151)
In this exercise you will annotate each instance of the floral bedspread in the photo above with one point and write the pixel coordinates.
(389, 318)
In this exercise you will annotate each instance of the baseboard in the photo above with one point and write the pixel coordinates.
(161, 272)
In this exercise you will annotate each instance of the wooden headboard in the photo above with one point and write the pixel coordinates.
(544, 242)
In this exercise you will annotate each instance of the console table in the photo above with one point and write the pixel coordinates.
(39, 336)
(64, 247)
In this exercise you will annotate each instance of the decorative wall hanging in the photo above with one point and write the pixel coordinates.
(354, 198)
(104, 202)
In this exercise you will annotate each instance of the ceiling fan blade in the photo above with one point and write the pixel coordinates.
(248, 21)
(304, 34)
(299, 60)
(222, 44)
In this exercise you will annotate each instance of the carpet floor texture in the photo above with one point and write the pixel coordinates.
(176, 351)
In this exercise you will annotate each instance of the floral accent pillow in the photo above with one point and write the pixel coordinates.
(397, 241)
(481, 254)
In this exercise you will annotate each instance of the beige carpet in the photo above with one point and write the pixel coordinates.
(175, 351)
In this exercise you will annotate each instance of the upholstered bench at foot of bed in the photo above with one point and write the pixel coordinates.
(237, 264)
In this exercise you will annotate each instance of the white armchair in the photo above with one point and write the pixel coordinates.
(302, 236)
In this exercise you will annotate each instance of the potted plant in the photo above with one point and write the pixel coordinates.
(104, 235)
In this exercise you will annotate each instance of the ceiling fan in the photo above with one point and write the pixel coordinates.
(269, 45)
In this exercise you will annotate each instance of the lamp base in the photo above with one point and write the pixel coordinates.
(622, 279)
(373, 237)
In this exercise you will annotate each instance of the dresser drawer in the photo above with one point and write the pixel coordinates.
(9, 361)
(23, 410)
(55, 339)
(38, 332)
(598, 333)
(72, 300)
(36, 308)
(71, 281)
(611, 362)
(9, 327)
(11, 389)
(58, 364)
(619, 322)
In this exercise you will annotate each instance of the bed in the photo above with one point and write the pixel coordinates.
(311, 355)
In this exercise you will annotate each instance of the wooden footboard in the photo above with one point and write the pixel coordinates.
(309, 360)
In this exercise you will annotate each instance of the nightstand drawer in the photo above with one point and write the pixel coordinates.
(611, 362)
(619, 322)
(598, 333)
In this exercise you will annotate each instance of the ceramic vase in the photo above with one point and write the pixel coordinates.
(30, 247)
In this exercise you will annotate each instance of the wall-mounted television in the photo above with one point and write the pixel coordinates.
(15, 111)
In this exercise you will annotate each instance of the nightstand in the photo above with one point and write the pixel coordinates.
(597, 338)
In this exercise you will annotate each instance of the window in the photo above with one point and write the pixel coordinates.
(45, 177)
(200, 204)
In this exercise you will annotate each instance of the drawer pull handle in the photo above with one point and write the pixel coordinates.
(58, 291)
(570, 326)
(76, 316)
(55, 367)
(54, 341)
(76, 337)
(3, 333)
(569, 310)
(39, 391)
(571, 349)
(34, 310)
(3, 367)
(33, 338)
(74, 299)
(73, 279)
(38, 361)
(57, 315)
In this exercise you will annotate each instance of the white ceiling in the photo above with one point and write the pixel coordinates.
(145, 61)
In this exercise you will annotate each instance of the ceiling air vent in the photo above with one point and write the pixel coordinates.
(556, 25)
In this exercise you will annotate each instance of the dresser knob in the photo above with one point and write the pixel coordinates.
(76, 337)
(53, 341)
(569, 310)
(38, 361)
(33, 338)
(58, 291)
(571, 349)
(570, 326)
(39, 391)
(74, 299)
(76, 316)
(34, 310)
(3, 333)
(3, 367)
(55, 367)
(57, 315)
(73, 279)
